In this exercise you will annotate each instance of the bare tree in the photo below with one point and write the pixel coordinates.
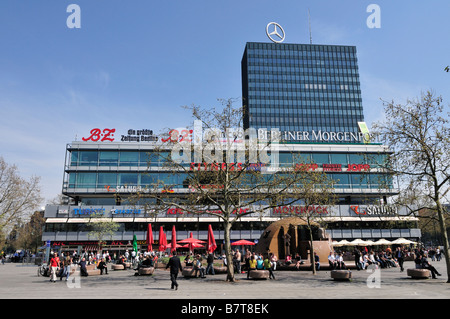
(419, 136)
(227, 173)
(29, 235)
(102, 228)
(316, 193)
(19, 198)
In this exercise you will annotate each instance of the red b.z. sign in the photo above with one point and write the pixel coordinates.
(99, 135)
(179, 135)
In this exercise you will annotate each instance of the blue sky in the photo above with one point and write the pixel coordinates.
(133, 64)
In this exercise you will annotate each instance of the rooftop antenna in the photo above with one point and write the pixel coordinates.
(309, 21)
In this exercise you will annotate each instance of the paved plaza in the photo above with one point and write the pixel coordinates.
(22, 282)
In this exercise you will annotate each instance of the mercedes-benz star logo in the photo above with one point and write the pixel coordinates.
(275, 36)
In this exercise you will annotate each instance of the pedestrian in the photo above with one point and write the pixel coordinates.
(210, 266)
(83, 269)
(67, 264)
(102, 266)
(438, 254)
(332, 261)
(251, 265)
(268, 266)
(400, 256)
(316, 261)
(273, 260)
(358, 263)
(427, 265)
(175, 267)
(238, 258)
(54, 264)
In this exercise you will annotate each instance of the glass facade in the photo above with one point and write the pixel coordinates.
(86, 169)
(301, 87)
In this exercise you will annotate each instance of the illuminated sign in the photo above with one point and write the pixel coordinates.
(88, 211)
(316, 136)
(125, 211)
(300, 210)
(100, 135)
(179, 211)
(374, 210)
(107, 135)
(178, 135)
(216, 166)
(358, 167)
(332, 167)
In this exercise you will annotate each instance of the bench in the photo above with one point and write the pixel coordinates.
(93, 272)
(143, 271)
(307, 266)
(117, 267)
(188, 272)
(341, 275)
(220, 269)
(259, 274)
(418, 273)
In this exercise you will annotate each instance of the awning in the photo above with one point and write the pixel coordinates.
(91, 248)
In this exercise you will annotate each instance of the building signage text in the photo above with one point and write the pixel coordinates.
(300, 210)
(315, 136)
(101, 211)
(374, 210)
(179, 211)
(107, 135)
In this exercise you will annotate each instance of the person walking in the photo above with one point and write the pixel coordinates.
(67, 263)
(175, 267)
(210, 266)
(54, 264)
(400, 256)
(268, 266)
(358, 259)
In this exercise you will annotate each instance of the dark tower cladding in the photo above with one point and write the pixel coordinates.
(309, 92)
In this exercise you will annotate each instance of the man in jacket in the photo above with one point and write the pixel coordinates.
(427, 265)
(400, 256)
(210, 261)
(175, 267)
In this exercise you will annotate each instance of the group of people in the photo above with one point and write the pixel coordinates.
(59, 267)
(196, 262)
(260, 262)
(381, 258)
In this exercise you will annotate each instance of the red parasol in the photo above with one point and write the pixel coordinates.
(243, 242)
(191, 240)
(162, 240)
(174, 239)
(211, 241)
(149, 238)
(176, 246)
(193, 245)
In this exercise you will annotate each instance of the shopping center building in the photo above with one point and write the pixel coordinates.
(310, 93)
